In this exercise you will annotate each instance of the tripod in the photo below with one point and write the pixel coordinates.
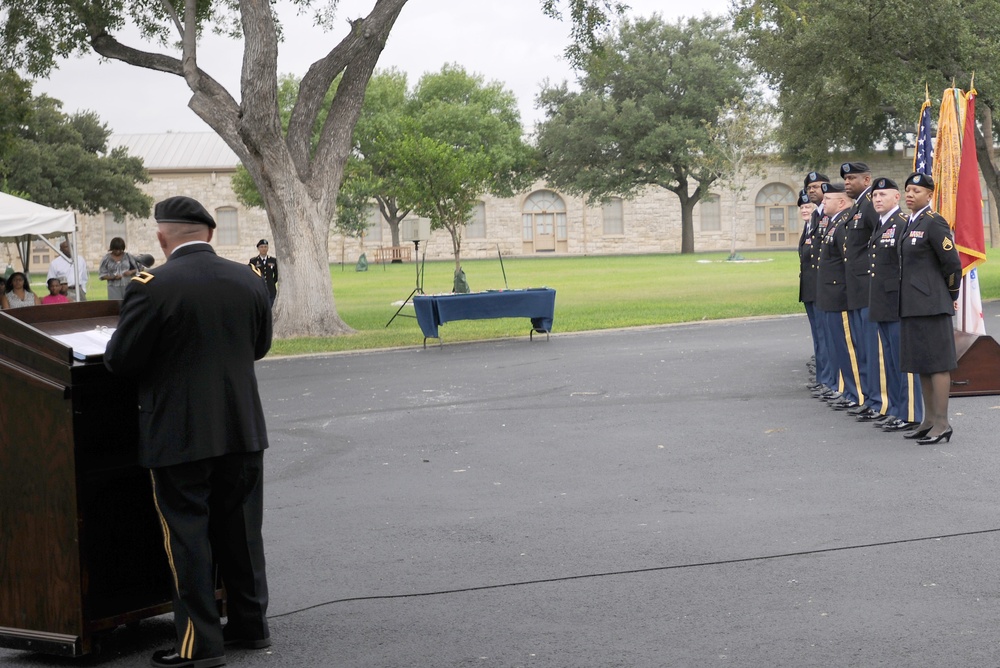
(419, 289)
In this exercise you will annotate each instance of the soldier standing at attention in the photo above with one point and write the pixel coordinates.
(831, 295)
(189, 335)
(903, 407)
(267, 266)
(862, 221)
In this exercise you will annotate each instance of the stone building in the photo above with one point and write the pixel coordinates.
(539, 221)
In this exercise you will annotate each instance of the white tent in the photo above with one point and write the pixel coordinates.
(19, 217)
(20, 220)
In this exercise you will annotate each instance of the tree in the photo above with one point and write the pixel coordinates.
(15, 97)
(63, 162)
(639, 118)
(299, 181)
(851, 75)
(462, 138)
(738, 145)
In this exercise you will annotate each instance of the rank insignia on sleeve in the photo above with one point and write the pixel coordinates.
(143, 277)
(256, 270)
(947, 244)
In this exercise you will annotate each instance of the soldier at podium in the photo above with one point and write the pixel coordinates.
(189, 333)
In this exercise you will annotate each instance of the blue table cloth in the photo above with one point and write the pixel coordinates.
(535, 303)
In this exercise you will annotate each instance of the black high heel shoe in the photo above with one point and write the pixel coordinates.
(931, 440)
(919, 433)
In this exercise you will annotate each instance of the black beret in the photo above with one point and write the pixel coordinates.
(263, 242)
(833, 188)
(813, 177)
(803, 198)
(883, 183)
(854, 168)
(922, 180)
(182, 210)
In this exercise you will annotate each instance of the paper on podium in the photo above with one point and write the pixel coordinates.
(87, 343)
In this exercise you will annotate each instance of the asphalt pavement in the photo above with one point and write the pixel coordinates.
(662, 496)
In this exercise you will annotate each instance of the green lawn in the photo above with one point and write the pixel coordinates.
(591, 293)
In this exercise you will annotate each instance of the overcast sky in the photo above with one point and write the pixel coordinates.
(510, 41)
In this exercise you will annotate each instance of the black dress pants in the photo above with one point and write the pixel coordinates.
(211, 512)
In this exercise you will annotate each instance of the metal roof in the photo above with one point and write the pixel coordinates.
(178, 150)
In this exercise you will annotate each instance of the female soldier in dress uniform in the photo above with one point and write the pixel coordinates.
(930, 270)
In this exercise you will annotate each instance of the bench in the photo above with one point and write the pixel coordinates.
(385, 254)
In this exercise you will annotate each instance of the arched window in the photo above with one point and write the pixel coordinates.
(543, 220)
(776, 208)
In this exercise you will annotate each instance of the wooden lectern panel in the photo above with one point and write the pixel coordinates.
(80, 545)
(978, 369)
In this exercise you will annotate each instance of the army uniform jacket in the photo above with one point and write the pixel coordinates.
(268, 268)
(189, 333)
(807, 260)
(862, 221)
(884, 302)
(831, 287)
(930, 269)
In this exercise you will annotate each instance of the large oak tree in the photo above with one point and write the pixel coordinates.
(851, 75)
(299, 180)
(639, 118)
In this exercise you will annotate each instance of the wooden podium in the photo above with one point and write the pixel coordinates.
(978, 369)
(81, 550)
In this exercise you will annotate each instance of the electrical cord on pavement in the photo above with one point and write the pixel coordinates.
(652, 569)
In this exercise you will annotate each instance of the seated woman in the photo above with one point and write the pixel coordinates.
(18, 292)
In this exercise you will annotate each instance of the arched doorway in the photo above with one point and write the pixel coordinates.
(543, 222)
(777, 223)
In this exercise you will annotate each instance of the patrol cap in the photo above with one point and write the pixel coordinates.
(182, 209)
(854, 168)
(262, 242)
(922, 180)
(833, 188)
(813, 177)
(883, 183)
(803, 198)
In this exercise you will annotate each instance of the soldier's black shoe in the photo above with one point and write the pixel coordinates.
(169, 658)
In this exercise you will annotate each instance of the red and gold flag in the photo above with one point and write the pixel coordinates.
(968, 221)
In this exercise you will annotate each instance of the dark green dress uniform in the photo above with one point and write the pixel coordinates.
(189, 333)
(930, 278)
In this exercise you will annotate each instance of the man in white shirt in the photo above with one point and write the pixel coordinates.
(63, 266)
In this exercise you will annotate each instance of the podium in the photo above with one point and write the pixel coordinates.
(978, 371)
(81, 551)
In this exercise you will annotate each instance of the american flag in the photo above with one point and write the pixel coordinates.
(923, 156)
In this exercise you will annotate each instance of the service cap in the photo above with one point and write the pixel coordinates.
(803, 198)
(262, 242)
(833, 188)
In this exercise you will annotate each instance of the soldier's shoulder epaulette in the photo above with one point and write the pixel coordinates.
(143, 277)
(256, 270)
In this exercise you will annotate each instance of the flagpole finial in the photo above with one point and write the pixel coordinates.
(972, 82)
(927, 92)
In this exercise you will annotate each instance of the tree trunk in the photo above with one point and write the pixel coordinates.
(988, 164)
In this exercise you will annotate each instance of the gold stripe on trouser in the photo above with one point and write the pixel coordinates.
(187, 645)
(853, 356)
(911, 409)
(883, 385)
